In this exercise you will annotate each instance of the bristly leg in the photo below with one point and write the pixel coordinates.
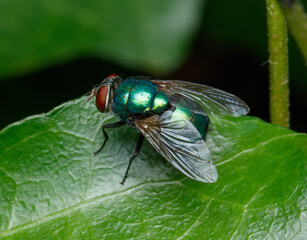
(136, 152)
(106, 137)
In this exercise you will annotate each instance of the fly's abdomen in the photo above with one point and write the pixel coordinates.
(135, 96)
(192, 112)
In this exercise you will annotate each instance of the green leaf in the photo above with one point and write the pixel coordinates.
(150, 35)
(53, 187)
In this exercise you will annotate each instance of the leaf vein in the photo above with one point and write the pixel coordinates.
(257, 146)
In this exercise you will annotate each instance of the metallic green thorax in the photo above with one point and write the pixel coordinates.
(136, 96)
(141, 97)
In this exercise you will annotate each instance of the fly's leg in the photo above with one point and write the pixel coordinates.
(136, 152)
(106, 137)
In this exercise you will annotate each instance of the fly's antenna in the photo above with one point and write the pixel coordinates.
(92, 94)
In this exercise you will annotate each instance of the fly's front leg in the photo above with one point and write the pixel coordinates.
(106, 137)
(136, 152)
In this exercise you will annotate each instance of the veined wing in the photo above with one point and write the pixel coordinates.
(214, 101)
(181, 144)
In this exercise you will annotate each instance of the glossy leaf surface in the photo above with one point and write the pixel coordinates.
(53, 187)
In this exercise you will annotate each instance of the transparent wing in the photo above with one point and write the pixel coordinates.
(180, 143)
(212, 100)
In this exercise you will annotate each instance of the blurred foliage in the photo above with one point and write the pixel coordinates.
(150, 35)
(297, 23)
(242, 24)
(153, 36)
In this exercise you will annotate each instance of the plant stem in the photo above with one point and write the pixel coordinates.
(278, 58)
(297, 22)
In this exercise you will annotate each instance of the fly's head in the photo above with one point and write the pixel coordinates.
(104, 92)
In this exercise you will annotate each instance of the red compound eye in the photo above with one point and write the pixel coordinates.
(112, 75)
(101, 98)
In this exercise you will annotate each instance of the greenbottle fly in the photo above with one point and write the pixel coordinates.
(172, 115)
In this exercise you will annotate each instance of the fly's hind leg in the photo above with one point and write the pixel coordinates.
(106, 137)
(136, 152)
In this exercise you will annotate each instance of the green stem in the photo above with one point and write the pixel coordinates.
(297, 22)
(278, 58)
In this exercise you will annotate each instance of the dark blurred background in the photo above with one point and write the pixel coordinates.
(52, 52)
